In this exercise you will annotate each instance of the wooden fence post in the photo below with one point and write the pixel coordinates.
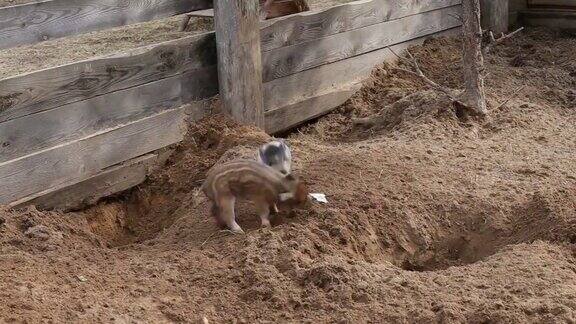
(237, 27)
(495, 15)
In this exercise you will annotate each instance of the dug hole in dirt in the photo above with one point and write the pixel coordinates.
(430, 218)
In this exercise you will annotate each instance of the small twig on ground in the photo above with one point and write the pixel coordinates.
(211, 235)
(512, 96)
(495, 41)
(380, 117)
(418, 72)
(362, 180)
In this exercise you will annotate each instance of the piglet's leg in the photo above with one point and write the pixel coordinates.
(263, 210)
(228, 215)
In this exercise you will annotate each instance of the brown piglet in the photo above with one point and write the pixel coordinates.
(247, 179)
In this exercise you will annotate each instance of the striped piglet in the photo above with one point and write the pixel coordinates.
(246, 179)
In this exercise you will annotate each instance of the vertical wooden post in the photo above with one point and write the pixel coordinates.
(495, 15)
(237, 27)
(472, 59)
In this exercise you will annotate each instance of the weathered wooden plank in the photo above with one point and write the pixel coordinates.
(330, 77)
(312, 25)
(293, 59)
(237, 27)
(85, 157)
(494, 15)
(208, 13)
(294, 99)
(548, 18)
(552, 3)
(514, 6)
(286, 117)
(41, 21)
(46, 89)
(31, 133)
(79, 194)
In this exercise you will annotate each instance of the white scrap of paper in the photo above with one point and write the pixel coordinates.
(319, 197)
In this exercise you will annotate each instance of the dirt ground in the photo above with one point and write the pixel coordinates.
(431, 218)
(28, 58)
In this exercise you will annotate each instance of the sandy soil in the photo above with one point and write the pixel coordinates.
(22, 59)
(431, 218)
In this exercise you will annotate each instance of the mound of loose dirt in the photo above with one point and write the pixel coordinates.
(431, 218)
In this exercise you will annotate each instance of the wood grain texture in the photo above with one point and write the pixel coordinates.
(237, 27)
(494, 15)
(294, 99)
(31, 133)
(46, 89)
(330, 77)
(308, 26)
(293, 59)
(286, 117)
(86, 157)
(556, 19)
(203, 13)
(40, 21)
(80, 194)
(552, 3)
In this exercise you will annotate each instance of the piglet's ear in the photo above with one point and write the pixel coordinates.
(261, 154)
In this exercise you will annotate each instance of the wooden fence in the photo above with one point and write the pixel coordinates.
(550, 13)
(74, 133)
(40, 21)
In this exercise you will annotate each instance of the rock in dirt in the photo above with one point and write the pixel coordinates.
(40, 232)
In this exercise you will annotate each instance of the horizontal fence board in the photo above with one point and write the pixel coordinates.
(571, 3)
(293, 59)
(557, 19)
(40, 21)
(25, 135)
(293, 96)
(291, 89)
(76, 195)
(284, 118)
(85, 157)
(46, 89)
(307, 26)
(306, 84)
